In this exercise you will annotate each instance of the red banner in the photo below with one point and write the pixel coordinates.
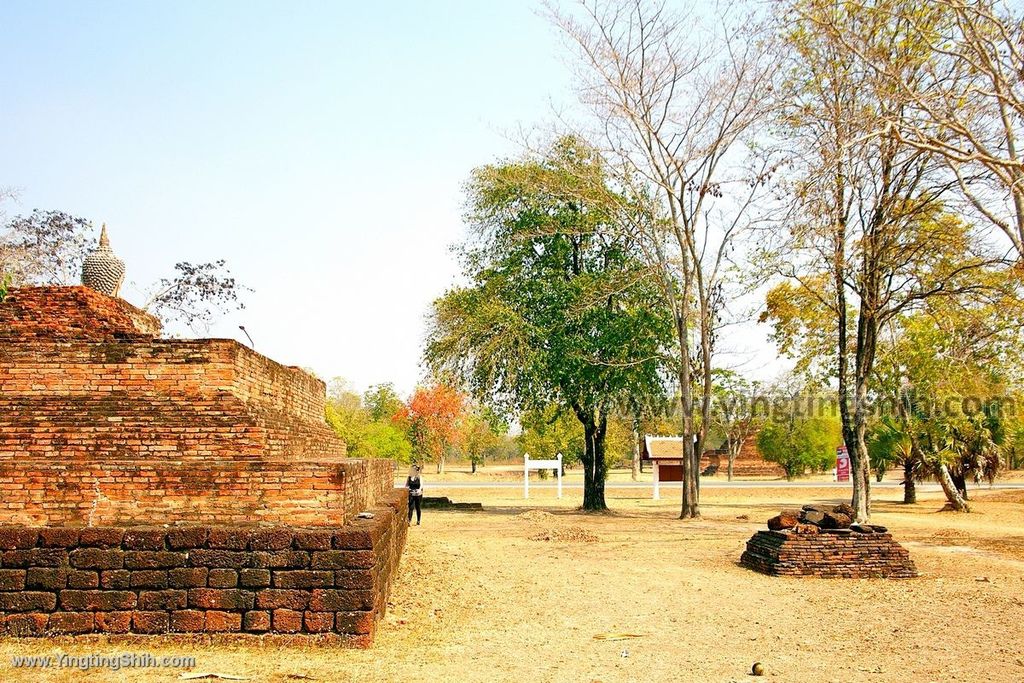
(842, 464)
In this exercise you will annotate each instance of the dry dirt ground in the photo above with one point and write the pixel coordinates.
(519, 594)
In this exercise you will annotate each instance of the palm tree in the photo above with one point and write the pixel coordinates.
(890, 443)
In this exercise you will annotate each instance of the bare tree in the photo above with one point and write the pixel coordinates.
(867, 237)
(967, 100)
(196, 295)
(45, 247)
(675, 99)
(734, 413)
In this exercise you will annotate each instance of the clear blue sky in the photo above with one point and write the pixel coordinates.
(319, 147)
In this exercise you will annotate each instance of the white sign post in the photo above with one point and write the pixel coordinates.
(528, 465)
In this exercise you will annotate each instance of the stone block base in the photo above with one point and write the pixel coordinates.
(830, 555)
(202, 579)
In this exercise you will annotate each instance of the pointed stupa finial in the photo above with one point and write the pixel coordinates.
(102, 270)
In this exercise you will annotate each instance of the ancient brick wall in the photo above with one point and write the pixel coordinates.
(71, 313)
(40, 491)
(213, 579)
(842, 554)
(749, 462)
(192, 397)
(102, 423)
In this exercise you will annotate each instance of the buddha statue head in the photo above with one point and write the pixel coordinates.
(102, 270)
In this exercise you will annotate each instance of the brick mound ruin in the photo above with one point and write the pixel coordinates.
(822, 540)
(114, 441)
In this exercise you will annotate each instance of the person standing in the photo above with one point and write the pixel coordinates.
(415, 485)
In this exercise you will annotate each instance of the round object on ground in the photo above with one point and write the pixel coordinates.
(757, 669)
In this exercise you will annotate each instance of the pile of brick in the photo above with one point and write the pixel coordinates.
(66, 580)
(824, 541)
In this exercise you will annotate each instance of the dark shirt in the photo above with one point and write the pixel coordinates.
(413, 485)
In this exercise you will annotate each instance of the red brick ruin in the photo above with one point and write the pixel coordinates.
(823, 541)
(162, 485)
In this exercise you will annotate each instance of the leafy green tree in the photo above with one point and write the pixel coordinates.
(678, 104)
(559, 309)
(549, 431)
(867, 234)
(5, 285)
(384, 439)
(345, 414)
(482, 431)
(949, 376)
(382, 401)
(890, 444)
(366, 437)
(800, 443)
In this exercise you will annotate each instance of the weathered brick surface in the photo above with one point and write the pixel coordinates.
(115, 589)
(830, 555)
(223, 578)
(101, 423)
(286, 621)
(150, 622)
(148, 578)
(37, 313)
(46, 578)
(281, 598)
(79, 578)
(188, 621)
(113, 622)
(71, 623)
(223, 622)
(12, 579)
(151, 485)
(254, 578)
(256, 621)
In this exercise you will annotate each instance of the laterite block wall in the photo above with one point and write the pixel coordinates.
(212, 579)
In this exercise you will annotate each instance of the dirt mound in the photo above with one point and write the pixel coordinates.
(573, 534)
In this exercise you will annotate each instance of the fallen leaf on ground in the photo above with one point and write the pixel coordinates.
(617, 636)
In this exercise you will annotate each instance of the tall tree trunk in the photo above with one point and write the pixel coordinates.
(636, 450)
(690, 503)
(909, 485)
(595, 426)
(733, 452)
(690, 507)
(961, 484)
(956, 501)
